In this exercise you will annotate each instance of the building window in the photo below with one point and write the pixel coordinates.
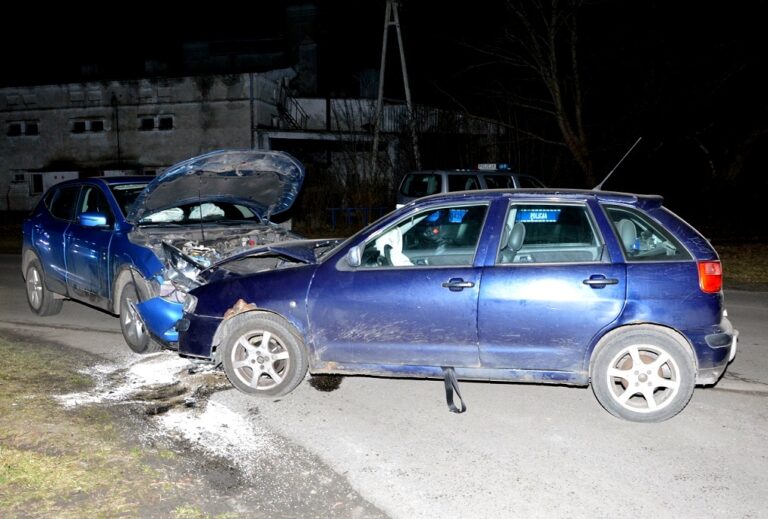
(87, 125)
(37, 184)
(148, 123)
(20, 128)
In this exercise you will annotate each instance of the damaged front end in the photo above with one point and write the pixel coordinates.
(186, 270)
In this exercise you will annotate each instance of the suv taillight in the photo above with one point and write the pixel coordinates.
(710, 276)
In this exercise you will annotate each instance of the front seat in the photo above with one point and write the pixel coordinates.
(511, 242)
(627, 233)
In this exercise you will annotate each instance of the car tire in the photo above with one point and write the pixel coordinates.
(134, 332)
(41, 300)
(263, 355)
(643, 374)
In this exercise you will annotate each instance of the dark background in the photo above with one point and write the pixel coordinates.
(687, 77)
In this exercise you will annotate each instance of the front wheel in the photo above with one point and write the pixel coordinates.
(41, 300)
(643, 374)
(263, 355)
(134, 331)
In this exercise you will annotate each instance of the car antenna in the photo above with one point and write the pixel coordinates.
(600, 185)
(200, 207)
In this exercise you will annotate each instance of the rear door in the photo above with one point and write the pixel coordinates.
(542, 303)
(87, 249)
(49, 233)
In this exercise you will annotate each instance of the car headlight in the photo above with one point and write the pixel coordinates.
(190, 303)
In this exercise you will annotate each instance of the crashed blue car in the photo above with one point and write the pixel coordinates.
(107, 241)
(543, 286)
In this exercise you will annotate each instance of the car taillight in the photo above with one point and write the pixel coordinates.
(710, 276)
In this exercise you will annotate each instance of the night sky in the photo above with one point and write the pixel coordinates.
(687, 77)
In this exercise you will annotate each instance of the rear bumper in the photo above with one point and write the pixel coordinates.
(722, 346)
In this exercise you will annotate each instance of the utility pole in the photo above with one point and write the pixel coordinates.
(392, 18)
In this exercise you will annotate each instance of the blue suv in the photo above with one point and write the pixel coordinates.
(106, 240)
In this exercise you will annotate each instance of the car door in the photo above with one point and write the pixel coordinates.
(87, 248)
(413, 298)
(550, 291)
(49, 235)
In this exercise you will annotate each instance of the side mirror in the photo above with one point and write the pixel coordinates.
(92, 220)
(355, 255)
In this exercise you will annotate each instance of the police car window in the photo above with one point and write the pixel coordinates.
(463, 182)
(418, 185)
(526, 181)
(642, 239)
(549, 233)
(499, 181)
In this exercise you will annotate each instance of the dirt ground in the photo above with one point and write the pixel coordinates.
(77, 441)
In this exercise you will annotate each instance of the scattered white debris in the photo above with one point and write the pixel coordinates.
(221, 432)
(215, 428)
(161, 368)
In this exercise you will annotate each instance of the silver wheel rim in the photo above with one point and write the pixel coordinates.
(34, 288)
(260, 360)
(132, 324)
(643, 378)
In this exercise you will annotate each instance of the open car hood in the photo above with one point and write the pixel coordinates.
(265, 181)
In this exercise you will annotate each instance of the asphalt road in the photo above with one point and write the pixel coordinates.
(519, 451)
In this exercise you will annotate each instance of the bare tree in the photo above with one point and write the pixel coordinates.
(541, 44)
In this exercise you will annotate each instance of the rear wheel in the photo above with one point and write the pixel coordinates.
(263, 355)
(41, 300)
(644, 374)
(134, 331)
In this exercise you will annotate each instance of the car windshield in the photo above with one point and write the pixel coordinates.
(126, 194)
(216, 212)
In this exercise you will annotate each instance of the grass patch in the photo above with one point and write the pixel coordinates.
(78, 462)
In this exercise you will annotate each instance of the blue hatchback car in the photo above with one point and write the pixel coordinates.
(543, 286)
(107, 240)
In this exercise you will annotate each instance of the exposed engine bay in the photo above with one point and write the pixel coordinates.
(186, 254)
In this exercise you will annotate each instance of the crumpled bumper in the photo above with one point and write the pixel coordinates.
(160, 317)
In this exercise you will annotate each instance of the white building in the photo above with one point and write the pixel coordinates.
(55, 132)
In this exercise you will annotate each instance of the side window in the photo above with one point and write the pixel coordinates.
(643, 240)
(418, 185)
(526, 181)
(549, 233)
(498, 181)
(94, 201)
(437, 237)
(64, 201)
(463, 182)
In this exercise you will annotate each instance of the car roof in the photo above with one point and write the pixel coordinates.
(469, 171)
(548, 194)
(135, 179)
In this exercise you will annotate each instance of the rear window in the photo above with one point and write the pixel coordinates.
(421, 184)
(643, 239)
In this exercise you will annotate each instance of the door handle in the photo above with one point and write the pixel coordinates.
(599, 281)
(457, 284)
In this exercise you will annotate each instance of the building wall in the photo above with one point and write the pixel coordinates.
(139, 126)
